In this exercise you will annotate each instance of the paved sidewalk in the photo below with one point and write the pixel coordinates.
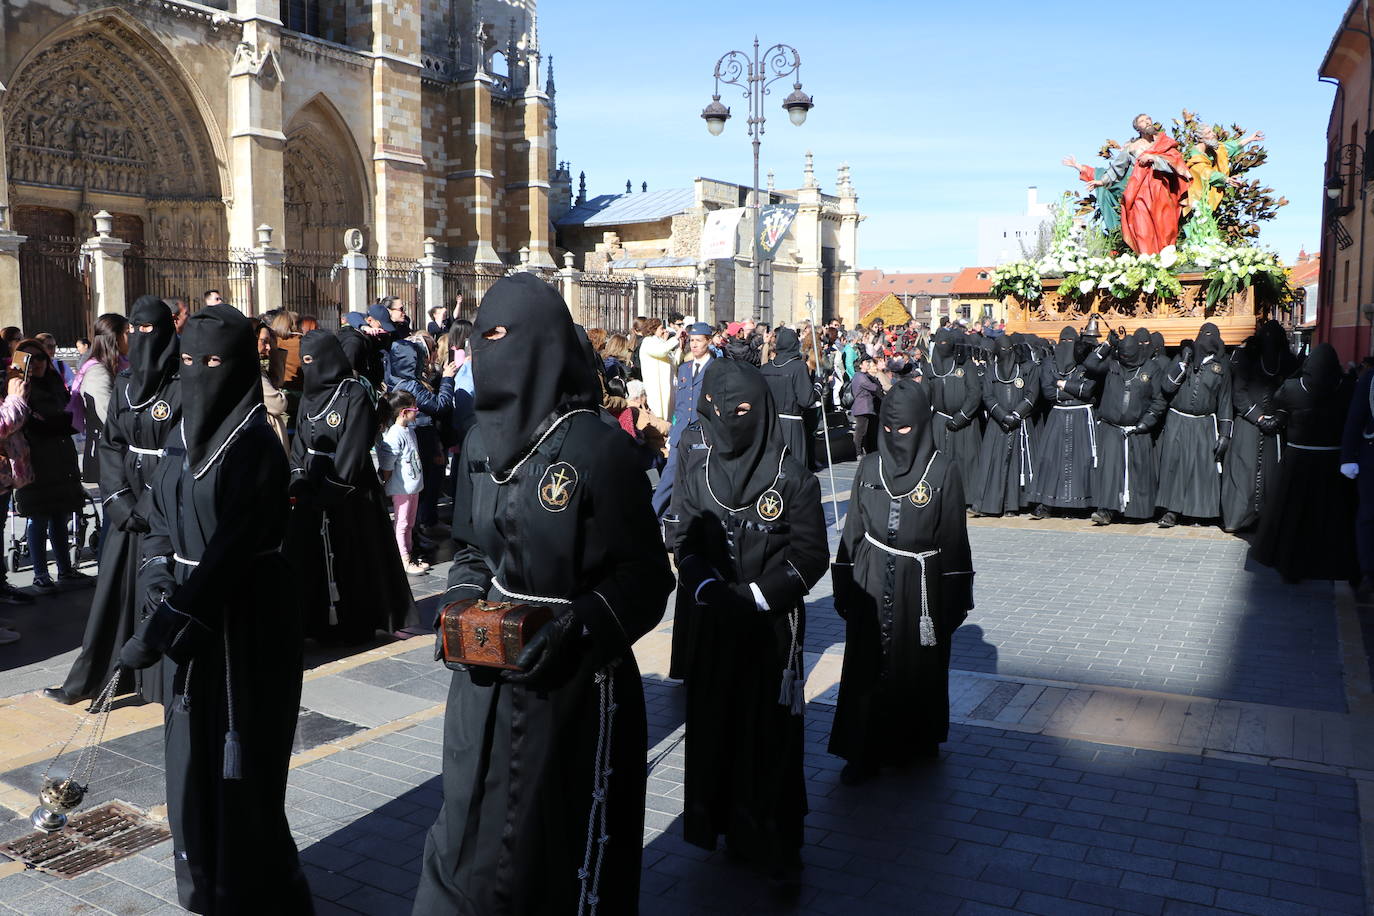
(1084, 774)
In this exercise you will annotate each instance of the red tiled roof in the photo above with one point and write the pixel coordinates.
(972, 281)
(1305, 273)
(933, 284)
(869, 301)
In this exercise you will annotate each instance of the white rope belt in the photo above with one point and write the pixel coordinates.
(788, 416)
(185, 562)
(1216, 429)
(927, 624)
(1026, 461)
(1126, 478)
(1092, 424)
(311, 451)
(537, 599)
(154, 452)
(945, 415)
(598, 833)
(1315, 448)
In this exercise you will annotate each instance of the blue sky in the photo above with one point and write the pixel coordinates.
(944, 111)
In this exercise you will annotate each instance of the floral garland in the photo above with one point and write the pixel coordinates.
(1019, 278)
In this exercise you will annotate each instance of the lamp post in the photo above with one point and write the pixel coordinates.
(754, 74)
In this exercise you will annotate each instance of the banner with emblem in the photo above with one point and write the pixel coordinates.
(719, 235)
(774, 221)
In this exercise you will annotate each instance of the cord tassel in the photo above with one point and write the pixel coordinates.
(927, 631)
(233, 756)
(787, 695)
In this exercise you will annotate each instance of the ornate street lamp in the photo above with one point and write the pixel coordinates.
(754, 74)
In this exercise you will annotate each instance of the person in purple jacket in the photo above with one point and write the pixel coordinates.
(868, 392)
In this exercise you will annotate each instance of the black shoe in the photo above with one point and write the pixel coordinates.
(11, 595)
(1168, 520)
(74, 577)
(1102, 517)
(856, 774)
(1042, 511)
(61, 696)
(44, 585)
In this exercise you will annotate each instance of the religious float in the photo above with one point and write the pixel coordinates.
(1163, 238)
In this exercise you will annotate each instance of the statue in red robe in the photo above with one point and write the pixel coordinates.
(1155, 192)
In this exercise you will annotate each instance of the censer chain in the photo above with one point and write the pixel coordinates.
(100, 714)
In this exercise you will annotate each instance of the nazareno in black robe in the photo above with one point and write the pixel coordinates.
(1130, 408)
(1251, 467)
(904, 556)
(233, 668)
(543, 807)
(789, 381)
(751, 536)
(956, 393)
(1006, 462)
(140, 424)
(1199, 415)
(691, 455)
(341, 542)
(1307, 525)
(1068, 439)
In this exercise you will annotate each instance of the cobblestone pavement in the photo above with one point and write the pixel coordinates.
(1142, 724)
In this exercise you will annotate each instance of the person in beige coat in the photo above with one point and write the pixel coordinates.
(273, 398)
(658, 358)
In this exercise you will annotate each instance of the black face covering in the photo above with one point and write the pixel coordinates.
(1157, 344)
(1131, 354)
(323, 366)
(154, 356)
(217, 400)
(1209, 341)
(746, 449)
(944, 343)
(1321, 372)
(531, 376)
(788, 347)
(1065, 352)
(1272, 344)
(1004, 352)
(905, 456)
(354, 346)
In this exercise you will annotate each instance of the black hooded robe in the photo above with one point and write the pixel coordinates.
(789, 381)
(1065, 464)
(904, 549)
(233, 668)
(341, 543)
(1131, 406)
(1307, 526)
(142, 421)
(1199, 417)
(1252, 462)
(543, 811)
(956, 392)
(1006, 463)
(751, 527)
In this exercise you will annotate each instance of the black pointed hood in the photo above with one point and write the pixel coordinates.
(154, 356)
(217, 401)
(535, 373)
(905, 457)
(324, 364)
(1004, 355)
(1321, 371)
(746, 449)
(788, 347)
(1209, 341)
(1131, 353)
(354, 345)
(1064, 351)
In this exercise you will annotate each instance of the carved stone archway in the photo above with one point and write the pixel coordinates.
(326, 191)
(101, 111)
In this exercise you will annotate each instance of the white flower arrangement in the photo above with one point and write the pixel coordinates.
(1019, 278)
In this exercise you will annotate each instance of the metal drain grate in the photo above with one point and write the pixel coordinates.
(105, 834)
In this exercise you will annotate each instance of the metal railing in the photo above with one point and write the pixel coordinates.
(398, 278)
(172, 272)
(471, 281)
(607, 301)
(54, 288)
(313, 283)
(667, 295)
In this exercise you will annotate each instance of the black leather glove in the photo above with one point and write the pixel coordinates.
(842, 585)
(552, 656)
(1140, 429)
(1185, 353)
(301, 491)
(1269, 425)
(692, 571)
(1112, 339)
(166, 631)
(135, 524)
(1223, 444)
(718, 593)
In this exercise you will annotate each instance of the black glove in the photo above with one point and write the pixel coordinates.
(166, 631)
(1140, 429)
(135, 524)
(301, 491)
(692, 571)
(1112, 339)
(718, 593)
(1223, 444)
(1014, 417)
(1185, 353)
(842, 585)
(957, 422)
(551, 657)
(1269, 425)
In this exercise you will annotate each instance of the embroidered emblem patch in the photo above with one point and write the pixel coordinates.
(958, 373)
(921, 495)
(1020, 382)
(161, 411)
(557, 485)
(1144, 377)
(1216, 367)
(769, 505)
(333, 420)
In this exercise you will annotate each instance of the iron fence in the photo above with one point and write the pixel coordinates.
(175, 272)
(607, 302)
(54, 288)
(667, 295)
(398, 278)
(471, 281)
(314, 283)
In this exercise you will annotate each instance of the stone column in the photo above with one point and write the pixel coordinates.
(847, 255)
(355, 283)
(431, 279)
(807, 232)
(11, 304)
(397, 147)
(572, 284)
(641, 293)
(472, 185)
(531, 194)
(268, 261)
(257, 145)
(106, 254)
